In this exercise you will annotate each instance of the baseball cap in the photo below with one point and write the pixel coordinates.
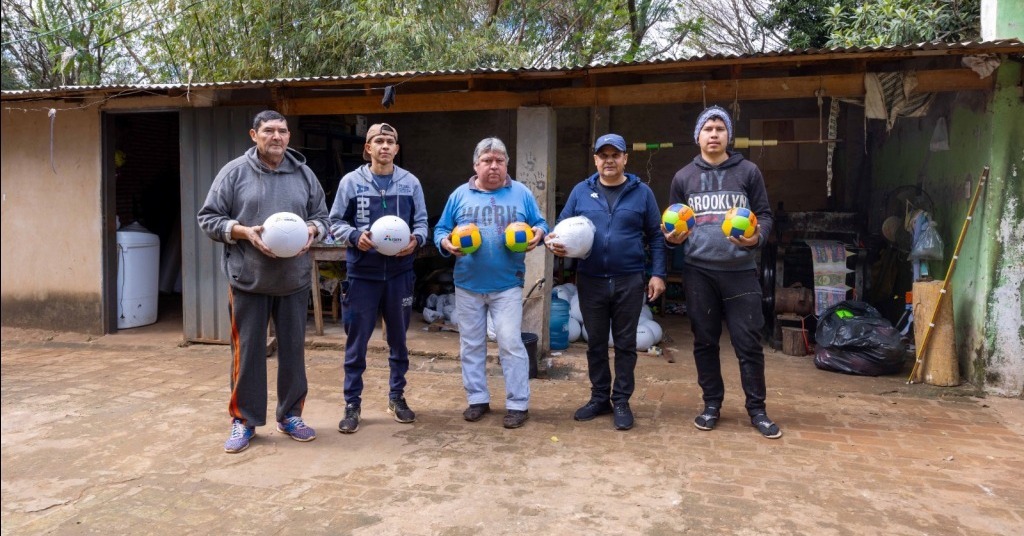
(610, 139)
(375, 130)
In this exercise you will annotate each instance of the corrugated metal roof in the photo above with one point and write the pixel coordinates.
(1005, 46)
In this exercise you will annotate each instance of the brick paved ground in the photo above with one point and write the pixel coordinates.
(123, 435)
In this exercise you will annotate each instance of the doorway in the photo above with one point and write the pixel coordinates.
(144, 162)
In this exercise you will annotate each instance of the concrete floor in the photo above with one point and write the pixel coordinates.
(123, 434)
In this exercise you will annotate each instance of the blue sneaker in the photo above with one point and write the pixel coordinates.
(294, 427)
(240, 436)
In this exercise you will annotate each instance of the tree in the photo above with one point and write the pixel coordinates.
(903, 22)
(801, 22)
(68, 42)
(731, 26)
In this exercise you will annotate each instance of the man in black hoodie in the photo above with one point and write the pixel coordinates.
(720, 273)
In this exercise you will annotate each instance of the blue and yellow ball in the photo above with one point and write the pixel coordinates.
(739, 222)
(678, 219)
(518, 236)
(466, 238)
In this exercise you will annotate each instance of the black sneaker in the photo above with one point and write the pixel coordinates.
(623, 416)
(350, 424)
(765, 426)
(475, 412)
(707, 419)
(400, 409)
(515, 418)
(592, 409)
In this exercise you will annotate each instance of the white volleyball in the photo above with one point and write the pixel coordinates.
(575, 329)
(655, 329)
(285, 234)
(390, 234)
(576, 235)
(644, 337)
(574, 308)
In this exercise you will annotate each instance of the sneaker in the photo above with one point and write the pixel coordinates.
(240, 436)
(707, 419)
(400, 409)
(592, 409)
(623, 416)
(765, 425)
(515, 418)
(296, 429)
(475, 412)
(350, 424)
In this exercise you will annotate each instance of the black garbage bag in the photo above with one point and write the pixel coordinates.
(854, 338)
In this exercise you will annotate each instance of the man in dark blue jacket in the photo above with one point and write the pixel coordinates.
(610, 279)
(377, 283)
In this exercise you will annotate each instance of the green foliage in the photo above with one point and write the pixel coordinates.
(48, 43)
(903, 22)
(802, 22)
(68, 42)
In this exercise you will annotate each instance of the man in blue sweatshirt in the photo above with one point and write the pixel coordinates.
(720, 273)
(611, 282)
(377, 284)
(491, 279)
(268, 178)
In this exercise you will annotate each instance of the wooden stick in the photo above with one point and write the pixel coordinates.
(945, 282)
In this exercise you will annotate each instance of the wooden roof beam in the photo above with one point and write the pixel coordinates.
(843, 85)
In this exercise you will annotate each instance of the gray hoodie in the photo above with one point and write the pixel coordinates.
(246, 192)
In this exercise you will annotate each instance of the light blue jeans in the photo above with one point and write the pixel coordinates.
(507, 311)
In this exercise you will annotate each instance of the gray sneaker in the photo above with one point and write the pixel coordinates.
(400, 409)
(350, 424)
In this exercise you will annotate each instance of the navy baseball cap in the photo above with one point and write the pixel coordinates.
(610, 139)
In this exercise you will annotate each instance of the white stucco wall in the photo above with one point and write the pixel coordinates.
(51, 216)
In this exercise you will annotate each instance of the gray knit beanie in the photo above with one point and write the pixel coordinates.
(709, 113)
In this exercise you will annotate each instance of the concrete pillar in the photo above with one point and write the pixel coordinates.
(535, 167)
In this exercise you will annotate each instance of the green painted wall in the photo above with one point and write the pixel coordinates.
(984, 129)
(1010, 19)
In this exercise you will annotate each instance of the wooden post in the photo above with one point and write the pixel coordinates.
(793, 341)
(941, 366)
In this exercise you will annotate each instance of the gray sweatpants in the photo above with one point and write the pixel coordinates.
(250, 315)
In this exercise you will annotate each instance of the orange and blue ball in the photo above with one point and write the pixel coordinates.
(466, 238)
(518, 236)
(739, 221)
(678, 219)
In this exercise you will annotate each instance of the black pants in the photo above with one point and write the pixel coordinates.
(611, 303)
(710, 295)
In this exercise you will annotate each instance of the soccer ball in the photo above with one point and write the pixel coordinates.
(390, 234)
(285, 234)
(678, 219)
(576, 234)
(739, 222)
(466, 238)
(518, 236)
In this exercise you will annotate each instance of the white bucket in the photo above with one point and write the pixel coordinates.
(138, 270)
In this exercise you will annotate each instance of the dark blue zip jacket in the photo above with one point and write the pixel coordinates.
(624, 234)
(359, 203)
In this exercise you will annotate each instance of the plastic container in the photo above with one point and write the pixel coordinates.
(559, 324)
(530, 342)
(138, 274)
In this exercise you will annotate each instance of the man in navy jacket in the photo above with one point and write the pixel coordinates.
(610, 279)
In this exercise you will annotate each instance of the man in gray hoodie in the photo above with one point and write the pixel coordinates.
(267, 179)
